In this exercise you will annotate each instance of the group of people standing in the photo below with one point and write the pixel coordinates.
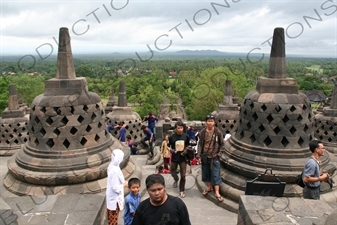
(161, 207)
(209, 150)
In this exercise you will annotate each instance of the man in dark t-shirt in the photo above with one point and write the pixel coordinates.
(160, 208)
(178, 142)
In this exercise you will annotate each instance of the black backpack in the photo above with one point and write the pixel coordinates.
(299, 180)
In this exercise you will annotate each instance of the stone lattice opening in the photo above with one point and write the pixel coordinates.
(255, 116)
(80, 119)
(97, 138)
(64, 120)
(49, 120)
(261, 128)
(300, 142)
(83, 141)
(36, 141)
(285, 142)
(264, 107)
(88, 129)
(43, 109)
(267, 141)
(292, 108)
(277, 130)
(37, 120)
(292, 130)
(252, 138)
(66, 143)
(57, 132)
(73, 130)
(285, 119)
(43, 132)
(85, 108)
(50, 143)
(93, 116)
(270, 118)
(300, 118)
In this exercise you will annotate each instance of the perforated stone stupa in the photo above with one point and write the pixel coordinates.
(326, 124)
(274, 130)
(13, 125)
(227, 114)
(111, 102)
(123, 113)
(69, 148)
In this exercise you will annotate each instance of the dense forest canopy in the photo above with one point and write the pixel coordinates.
(198, 83)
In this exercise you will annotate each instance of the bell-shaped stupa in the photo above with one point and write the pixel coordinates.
(275, 127)
(69, 148)
(123, 113)
(326, 124)
(227, 114)
(13, 125)
(111, 102)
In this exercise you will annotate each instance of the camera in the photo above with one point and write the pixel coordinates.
(330, 181)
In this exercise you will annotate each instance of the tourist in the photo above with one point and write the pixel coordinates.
(132, 145)
(115, 187)
(210, 147)
(165, 152)
(148, 137)
(160, 208)
(311, 173)
(151, 122)
(178, 142)
(110, 128)
(132, 200)
(122, 132)
(190, 132)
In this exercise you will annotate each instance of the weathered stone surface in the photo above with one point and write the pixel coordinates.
(124, 113)
(260, 210)
(326, 124)
(13, 125)
(227, 114)
(68, 141)
(274, 130)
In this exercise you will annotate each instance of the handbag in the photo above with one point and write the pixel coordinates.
(299, 180)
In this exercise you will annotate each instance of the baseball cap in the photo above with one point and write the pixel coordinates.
(210, 116)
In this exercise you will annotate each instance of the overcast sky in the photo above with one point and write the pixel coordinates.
(169, 25)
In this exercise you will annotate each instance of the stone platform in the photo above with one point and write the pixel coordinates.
(285, 211)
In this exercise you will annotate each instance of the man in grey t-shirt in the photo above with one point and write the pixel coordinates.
(311, 173)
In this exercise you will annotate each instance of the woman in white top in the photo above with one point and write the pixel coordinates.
(115, 187)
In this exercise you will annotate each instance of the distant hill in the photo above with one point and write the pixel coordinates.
(201, 52)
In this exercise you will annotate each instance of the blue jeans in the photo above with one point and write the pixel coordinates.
(211, 171)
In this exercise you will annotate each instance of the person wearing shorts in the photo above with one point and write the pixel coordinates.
(210, 146)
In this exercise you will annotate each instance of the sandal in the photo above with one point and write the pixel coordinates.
(205, 192)
(220, 198)
(182, 195)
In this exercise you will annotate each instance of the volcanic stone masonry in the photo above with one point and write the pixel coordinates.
(274, 130)
(13, 125)
(69, 148)
(326, 124)
(227, 114)
(123, 113)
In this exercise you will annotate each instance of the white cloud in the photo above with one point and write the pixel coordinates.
(241, 26)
